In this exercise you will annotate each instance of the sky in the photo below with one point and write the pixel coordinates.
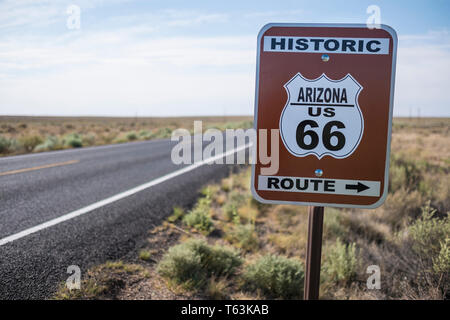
(189, 58)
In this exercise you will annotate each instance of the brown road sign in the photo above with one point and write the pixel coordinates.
(329, 90)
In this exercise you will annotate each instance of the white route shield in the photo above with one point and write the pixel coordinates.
(322, 117)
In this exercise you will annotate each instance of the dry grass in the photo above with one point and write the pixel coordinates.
(104, 281)
(426, 139)
(408, 237)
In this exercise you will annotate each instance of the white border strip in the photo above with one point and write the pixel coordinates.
(118, 196)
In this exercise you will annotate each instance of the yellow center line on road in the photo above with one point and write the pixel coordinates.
(51, 165)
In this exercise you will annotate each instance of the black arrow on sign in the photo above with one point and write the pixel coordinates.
(359, 187)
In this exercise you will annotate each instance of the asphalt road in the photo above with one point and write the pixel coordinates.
(42, 190)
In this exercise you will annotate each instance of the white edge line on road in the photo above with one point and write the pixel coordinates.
(117, 197)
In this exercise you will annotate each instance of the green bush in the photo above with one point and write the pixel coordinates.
(238, 198)
(145, 255)
(145, 134)
(404, 173)
(411, 174)
(73, 140)
(177, 214)
(244, 236)
(191, 263)
(5, 145)
(341, 263)
(207, 192)
(335, 223)
(221, 261)
(429, 233)
(132, 136)
(163, 133)
(235, 200)
(231, 213)
(199, 217)
(276, 277)
(431, 245)
(397, 177)
(441, 263)
(30, 142)
(400, 207)
(51, 143)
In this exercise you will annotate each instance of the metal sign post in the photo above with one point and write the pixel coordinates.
(313, 253)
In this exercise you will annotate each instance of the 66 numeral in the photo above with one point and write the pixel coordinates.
(326, 135)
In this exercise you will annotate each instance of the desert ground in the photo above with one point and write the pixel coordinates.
(228, 246)
(19, 135)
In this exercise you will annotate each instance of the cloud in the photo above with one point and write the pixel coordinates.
(146, 66)
(277, 15)
(188, 19)
(423, 75)
(121, 72)
(15, 14)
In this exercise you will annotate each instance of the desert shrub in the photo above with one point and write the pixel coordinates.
(441, 263)
(182, 265)
(89, 139)
(30, 142)
(51, 143)
(73, 140)
(397, 177)
(5, 145)
(220, 199)
(428, 233)
(177, 214)
(248, 213)
(285, 215)
(226, 185)
(404, 173)
(400, 207)
(341, 263)
(199, 217)
(285, 243)
(242, 181)
(276, 277)
(436, 187)
(221, 261)
(192, 262)
(163, 133)
(106, 138)
(430, 243)
(119, 139)
(237, 197)
(335, 223)
(145, 255)
(244, 236)
(209, 191)
(230, 211)
(235, 200)
(261, 207)
(145, 134)
(131, 136)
